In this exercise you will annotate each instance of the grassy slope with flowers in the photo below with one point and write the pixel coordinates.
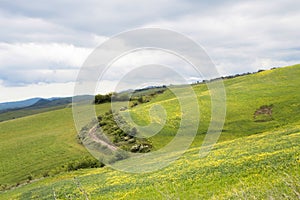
(262, 166)
(252, 159)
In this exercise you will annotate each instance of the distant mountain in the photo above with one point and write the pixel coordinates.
(18, 104)
(38, 105)
(52, 102)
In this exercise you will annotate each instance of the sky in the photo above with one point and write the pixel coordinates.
(43, 44)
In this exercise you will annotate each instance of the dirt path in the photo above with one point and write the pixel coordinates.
(96, 139)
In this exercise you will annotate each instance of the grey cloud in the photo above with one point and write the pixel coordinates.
(106, 17)
(239, 36)
(12, 78)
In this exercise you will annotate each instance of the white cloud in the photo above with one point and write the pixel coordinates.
(47, 41)
(42, 55)
(143, 57)
(239, 37)
(26, 63)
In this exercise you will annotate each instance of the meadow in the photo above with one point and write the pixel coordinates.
(253, 159)
(262, 166)
(244, 95)
(39, 145)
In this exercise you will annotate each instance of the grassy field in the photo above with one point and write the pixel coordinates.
(25, 112)
(253, 159)
(262, 166)
(245, 94)
(39, 145)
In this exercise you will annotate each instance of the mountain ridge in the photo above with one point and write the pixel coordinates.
(18, 104)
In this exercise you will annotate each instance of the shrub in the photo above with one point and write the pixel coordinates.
(86, 162)
(45, 174)
(29, 177)
(140, 99)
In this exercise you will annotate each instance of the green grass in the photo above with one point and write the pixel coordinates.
(244, 95)
(262, 166)
(251, 160)
(26, 112)
(37, 145)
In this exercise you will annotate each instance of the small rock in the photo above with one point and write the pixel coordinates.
(132, 140)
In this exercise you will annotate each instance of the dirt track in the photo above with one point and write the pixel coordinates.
(96, 139)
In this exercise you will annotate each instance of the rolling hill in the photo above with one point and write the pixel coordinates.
(18, 104)
(35, 106)
(253, 159)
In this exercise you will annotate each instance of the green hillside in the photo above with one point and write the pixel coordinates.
(39, 145)
(244, 95)
(254, 158)
(264, 166)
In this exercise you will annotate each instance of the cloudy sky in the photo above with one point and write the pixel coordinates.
(43, 44)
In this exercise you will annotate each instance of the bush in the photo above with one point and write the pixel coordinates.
(99, 98)
(140, 99)
(134, 104)
(86, 162)
(133, 131)
(29, 177)
(117, 156)
(45, 174)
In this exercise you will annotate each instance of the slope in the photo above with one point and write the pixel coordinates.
(39, 145)
(244, 95)
(264, 166)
